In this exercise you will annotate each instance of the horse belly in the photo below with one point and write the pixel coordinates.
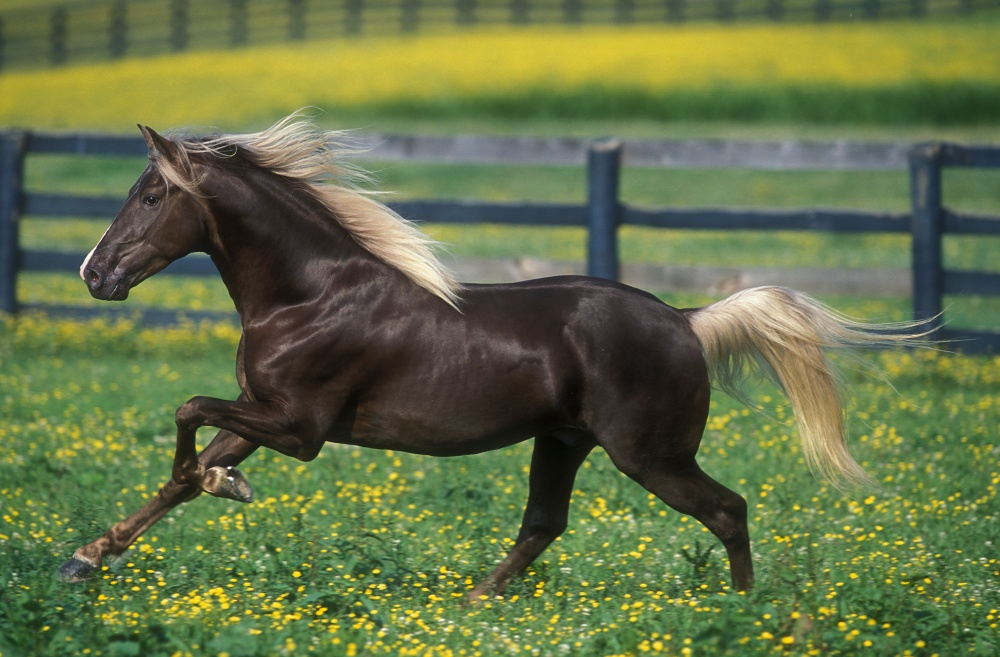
(478, 412)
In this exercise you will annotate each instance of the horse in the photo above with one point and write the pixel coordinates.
(353, 332)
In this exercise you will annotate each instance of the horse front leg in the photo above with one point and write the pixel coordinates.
(265, 424)
(217, 461)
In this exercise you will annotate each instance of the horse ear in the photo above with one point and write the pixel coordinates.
(159, 145)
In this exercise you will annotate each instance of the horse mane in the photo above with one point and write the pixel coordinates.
(297, 149)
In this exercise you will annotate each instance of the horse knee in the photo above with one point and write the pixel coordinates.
(188, 415)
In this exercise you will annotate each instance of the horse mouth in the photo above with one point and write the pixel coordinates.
(117, 292)
(106, 288)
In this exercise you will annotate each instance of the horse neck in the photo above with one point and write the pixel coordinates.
(276, 246)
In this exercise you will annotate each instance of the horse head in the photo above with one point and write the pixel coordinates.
(163, 219)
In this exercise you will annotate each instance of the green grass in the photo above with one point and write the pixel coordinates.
(917, 103)
(368, 552)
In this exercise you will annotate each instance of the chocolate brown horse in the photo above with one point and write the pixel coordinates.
(354, 333)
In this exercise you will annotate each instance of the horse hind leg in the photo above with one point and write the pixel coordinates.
(685, 487)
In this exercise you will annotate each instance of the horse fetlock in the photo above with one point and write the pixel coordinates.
(227, 482)
(188, 473)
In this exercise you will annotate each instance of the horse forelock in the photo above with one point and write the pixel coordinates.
(298, 150)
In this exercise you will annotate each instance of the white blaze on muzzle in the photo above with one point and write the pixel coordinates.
(90, 255)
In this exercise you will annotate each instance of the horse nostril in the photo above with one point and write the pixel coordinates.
(93, 278)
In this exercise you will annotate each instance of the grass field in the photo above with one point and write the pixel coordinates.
(368, 553)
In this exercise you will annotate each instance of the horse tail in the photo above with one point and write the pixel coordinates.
(784, 334)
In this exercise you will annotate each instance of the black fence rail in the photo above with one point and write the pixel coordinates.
(58, 34)
(602, 214)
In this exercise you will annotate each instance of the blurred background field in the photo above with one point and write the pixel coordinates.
(364, 552)
(908, 73)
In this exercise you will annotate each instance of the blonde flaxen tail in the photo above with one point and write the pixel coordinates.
(786, 334)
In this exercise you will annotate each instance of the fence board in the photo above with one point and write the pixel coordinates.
(971, 282)
(84, 144)
(953, 155)
(750, 219)
(466, 212)
(967, 224)
(59, 205)
(44, 260)
(40, 260)
(972, 341)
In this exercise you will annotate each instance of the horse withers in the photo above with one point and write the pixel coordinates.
(353, 332)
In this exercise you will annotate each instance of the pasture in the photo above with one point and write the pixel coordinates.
(369, 553)
(365, 552)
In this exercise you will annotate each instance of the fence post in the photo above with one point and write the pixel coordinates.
(927, 227)
(238, 32)
(354, 16)
(118, 29)
(675, 11)
(57, 36)
(296, 20)
(603, 208)
(11, 169)
(572, 11)
(520, 12)
(178, 25)
(3, 45)
(409, 20)
(465, 12)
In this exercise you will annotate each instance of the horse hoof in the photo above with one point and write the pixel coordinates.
(227, 482)
(76, 570)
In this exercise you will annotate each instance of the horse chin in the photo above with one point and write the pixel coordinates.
(120, 293)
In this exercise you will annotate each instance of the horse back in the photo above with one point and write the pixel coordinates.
(606, 344)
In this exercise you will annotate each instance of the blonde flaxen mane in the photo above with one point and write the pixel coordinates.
(297, 149)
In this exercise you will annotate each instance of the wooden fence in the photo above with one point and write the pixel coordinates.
(55, 34)
(602, 214)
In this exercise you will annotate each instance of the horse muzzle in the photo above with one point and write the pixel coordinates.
(111, 272)
(107, 275)
(110, 286)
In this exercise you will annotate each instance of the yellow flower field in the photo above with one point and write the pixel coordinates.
(365, 552)
(251, 86)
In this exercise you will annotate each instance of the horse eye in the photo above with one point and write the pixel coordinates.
(149, 200)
